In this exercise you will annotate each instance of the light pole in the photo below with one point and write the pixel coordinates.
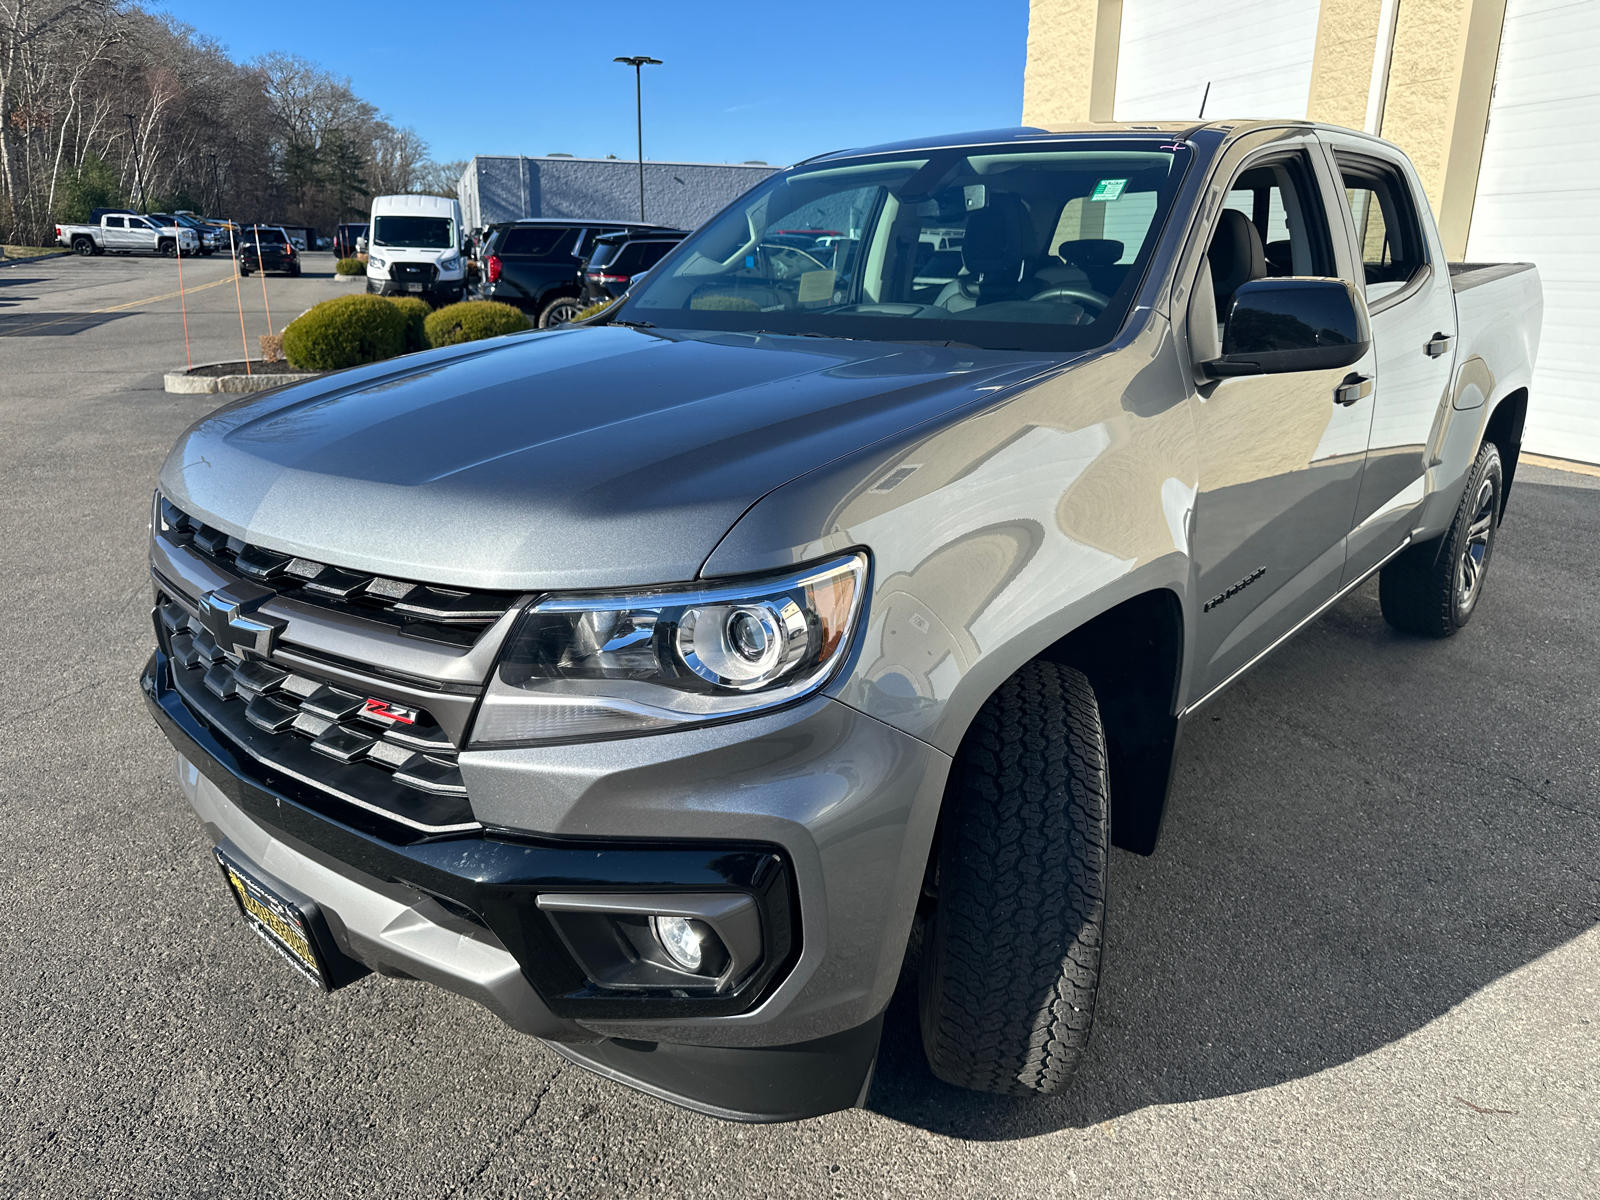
(637, 62)
(133, 148)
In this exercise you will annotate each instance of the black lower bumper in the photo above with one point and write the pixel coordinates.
(495, 878)
(436, 293)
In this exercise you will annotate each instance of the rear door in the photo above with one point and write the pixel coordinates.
(535, 257)
(1413, 313)
(114, 233)
(1280, 458)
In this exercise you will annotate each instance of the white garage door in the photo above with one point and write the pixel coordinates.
(1256, 56)
(1539, 200)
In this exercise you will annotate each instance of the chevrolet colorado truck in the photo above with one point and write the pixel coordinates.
(672, 683)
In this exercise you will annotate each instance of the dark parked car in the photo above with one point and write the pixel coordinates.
(537, 264)
(344, 240)
(267, 248)
(620, 257)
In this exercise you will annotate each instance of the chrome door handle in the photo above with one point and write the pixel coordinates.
(1437, 345)
(1351, 388)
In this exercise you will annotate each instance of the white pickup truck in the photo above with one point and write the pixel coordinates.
(127, 233)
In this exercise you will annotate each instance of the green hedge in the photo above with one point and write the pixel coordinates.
(350, 266)
(346, 332)
(416, 313)
(472, 320)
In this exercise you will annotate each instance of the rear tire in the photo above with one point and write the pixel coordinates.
(1012, 951)
(1433, 589)
(562, 308)
(84, 247)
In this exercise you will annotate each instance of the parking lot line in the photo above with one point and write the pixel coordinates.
(122, 307)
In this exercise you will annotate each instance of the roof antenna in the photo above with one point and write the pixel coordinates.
(1203, 100)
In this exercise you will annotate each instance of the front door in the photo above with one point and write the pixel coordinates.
(1413, 314)
(1280, 457)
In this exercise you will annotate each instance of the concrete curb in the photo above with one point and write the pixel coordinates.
(338, 278)
(15, 262)
(185, 384)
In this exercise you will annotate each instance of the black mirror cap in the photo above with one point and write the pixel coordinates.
(1294, 324)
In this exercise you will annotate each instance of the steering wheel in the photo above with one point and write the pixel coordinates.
(1066, 292)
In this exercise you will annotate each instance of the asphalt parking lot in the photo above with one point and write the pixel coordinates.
(1364, 960)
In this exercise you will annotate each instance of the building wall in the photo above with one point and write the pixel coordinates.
(681, 194)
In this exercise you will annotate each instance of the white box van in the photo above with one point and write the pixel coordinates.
(414, 248)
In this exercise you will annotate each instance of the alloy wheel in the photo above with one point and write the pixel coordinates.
(1474, 560)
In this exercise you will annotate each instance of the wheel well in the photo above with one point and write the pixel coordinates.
(1132, 655)
(1505, 431)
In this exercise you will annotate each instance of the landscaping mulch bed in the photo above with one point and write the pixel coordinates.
(217, 370)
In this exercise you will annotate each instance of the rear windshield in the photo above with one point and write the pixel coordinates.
(265, 236)
(1008, 247)
(414, 233)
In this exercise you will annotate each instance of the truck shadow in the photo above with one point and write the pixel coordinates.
(1362, 834)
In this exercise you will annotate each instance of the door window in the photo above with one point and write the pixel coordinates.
(115, 223)
(539, 241)
(1387, 228)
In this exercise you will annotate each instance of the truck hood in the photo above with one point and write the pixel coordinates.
(581, 458)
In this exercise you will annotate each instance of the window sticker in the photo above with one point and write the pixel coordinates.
(1108, 189)
(816, 285)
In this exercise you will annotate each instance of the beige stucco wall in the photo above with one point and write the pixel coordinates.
(1071, 74)
(1341, 71)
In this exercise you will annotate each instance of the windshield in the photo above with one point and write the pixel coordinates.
(414, 233)
(1003, 248)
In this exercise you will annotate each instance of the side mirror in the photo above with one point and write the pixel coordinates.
(1278, 325)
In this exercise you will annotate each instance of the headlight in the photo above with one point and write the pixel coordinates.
(594, 666)
(374, 261)
(453, 263)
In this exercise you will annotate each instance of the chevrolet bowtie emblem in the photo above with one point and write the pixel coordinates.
(230, 617)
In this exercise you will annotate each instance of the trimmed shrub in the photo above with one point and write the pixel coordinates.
(350, 266)
(345, 332)
(416, 313)
(473, 320)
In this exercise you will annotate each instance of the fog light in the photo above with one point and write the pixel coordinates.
(680, 939)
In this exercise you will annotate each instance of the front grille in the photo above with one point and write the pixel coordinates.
(438, 614)
(388, 759)
(409, 272)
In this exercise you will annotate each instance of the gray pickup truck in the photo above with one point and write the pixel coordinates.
(829, 607)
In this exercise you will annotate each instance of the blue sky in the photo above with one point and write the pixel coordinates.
(740, 81)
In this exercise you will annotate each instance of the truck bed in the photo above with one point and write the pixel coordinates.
(1465, 276)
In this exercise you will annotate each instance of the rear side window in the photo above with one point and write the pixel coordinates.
(639, 256)
(115, 223)
(535, 242)
(1387, 227)
(653, 252)
(604, 252)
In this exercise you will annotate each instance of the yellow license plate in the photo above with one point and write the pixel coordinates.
(278, 922)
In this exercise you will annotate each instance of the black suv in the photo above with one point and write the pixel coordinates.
(267, 248)
(619, 257)
(537, 264)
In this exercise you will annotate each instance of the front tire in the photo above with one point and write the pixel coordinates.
(1012, 951)
(1433, 589)
(562, 308)
(169, 249)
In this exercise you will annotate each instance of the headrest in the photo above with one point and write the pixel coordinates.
(1281, 255)
(1090, 252)
(1236, 254)
(993, 242)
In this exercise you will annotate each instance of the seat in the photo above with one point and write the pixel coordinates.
(1096, 258)
(993, 255)
(1236, 257)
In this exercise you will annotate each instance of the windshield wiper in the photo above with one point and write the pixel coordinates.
(635, 324)
(838, 337)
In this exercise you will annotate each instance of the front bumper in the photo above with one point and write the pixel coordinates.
(455, 912)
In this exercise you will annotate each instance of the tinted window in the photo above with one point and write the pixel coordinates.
(651, 253)
(268, 237)
(995, 207)
(1387, 228)
(115, 223)
(604, 252)
(535, 241)
(414, 233)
